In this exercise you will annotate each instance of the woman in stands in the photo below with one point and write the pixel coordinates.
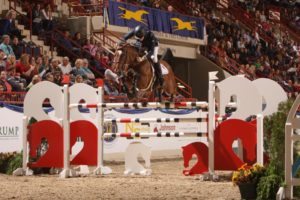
(26, 70)
(11, 62)
(37, 16)
(77, 39)
(47, 18)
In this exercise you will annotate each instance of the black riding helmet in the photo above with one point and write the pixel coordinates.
(139, 32)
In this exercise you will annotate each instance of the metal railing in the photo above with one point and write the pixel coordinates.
(16, 98)
(107, 37)
(57, 34)
(284, 23)
(78, 9)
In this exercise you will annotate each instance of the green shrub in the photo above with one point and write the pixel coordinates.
(9, 162)
(268, 187)
(14, 163)
(274, 136)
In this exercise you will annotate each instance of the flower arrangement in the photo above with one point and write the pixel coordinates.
(248, 174)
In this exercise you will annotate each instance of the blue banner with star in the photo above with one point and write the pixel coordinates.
(128, 15)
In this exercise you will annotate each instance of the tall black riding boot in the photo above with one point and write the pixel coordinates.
(158, 74)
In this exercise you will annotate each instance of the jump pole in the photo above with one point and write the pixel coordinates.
(67, 171)
(211, 127)
(100, 147)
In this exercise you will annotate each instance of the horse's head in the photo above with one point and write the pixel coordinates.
(125, 64)
(125, 58)
(187, 155)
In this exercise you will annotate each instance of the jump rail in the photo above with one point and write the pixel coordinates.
(211, 120)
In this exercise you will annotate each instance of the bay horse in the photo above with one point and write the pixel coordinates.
(137, 74)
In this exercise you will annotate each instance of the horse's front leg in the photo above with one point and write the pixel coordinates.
(158, 94)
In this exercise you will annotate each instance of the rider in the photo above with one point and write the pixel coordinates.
(150, 42)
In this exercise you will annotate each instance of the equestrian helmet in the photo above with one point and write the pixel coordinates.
(139, 32)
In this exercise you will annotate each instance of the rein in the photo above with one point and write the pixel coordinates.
(122, 65)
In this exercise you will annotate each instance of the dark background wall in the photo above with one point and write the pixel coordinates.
(195, 73)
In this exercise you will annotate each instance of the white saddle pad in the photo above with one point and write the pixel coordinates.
(164, 69)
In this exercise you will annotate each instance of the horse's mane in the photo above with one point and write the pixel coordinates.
(125, 45)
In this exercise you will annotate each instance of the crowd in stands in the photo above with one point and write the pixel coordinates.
(232, 44)
(229, 43)
(20, 75)
(20, 69)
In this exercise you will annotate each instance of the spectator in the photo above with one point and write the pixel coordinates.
(37, 16)
(39, 63)
(49, 77)
(99, 48)
(90, 47)
(11, 62)
(56, 71)
(88, 73)
(67, 44)
(77, 70)
(45, 67)
(77, 39)
(78, 79)
(47, 18)
(36, 79)
(65, 66)
(8, 26)
(95, 62)
(2, 61)
(5, 46)
(105, 58)
(26, 70)
(17, 47)
(32, 61)
(3, 81)
(156, 4)
(15, 81)
(170, 8)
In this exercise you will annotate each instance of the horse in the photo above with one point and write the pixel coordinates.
(137, 74)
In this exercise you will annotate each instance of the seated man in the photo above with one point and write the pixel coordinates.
(65, 66)
(8, 25)
(17, 47)
(17, 83)
(150, 43)
(5, 46)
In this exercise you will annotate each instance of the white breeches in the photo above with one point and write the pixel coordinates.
(154, 57)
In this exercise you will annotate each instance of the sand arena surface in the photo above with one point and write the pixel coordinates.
(166, 182)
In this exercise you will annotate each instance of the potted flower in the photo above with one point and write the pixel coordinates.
(247, 178)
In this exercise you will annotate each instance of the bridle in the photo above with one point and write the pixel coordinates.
(122, 67)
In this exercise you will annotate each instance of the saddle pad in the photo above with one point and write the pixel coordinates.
(164, 69)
